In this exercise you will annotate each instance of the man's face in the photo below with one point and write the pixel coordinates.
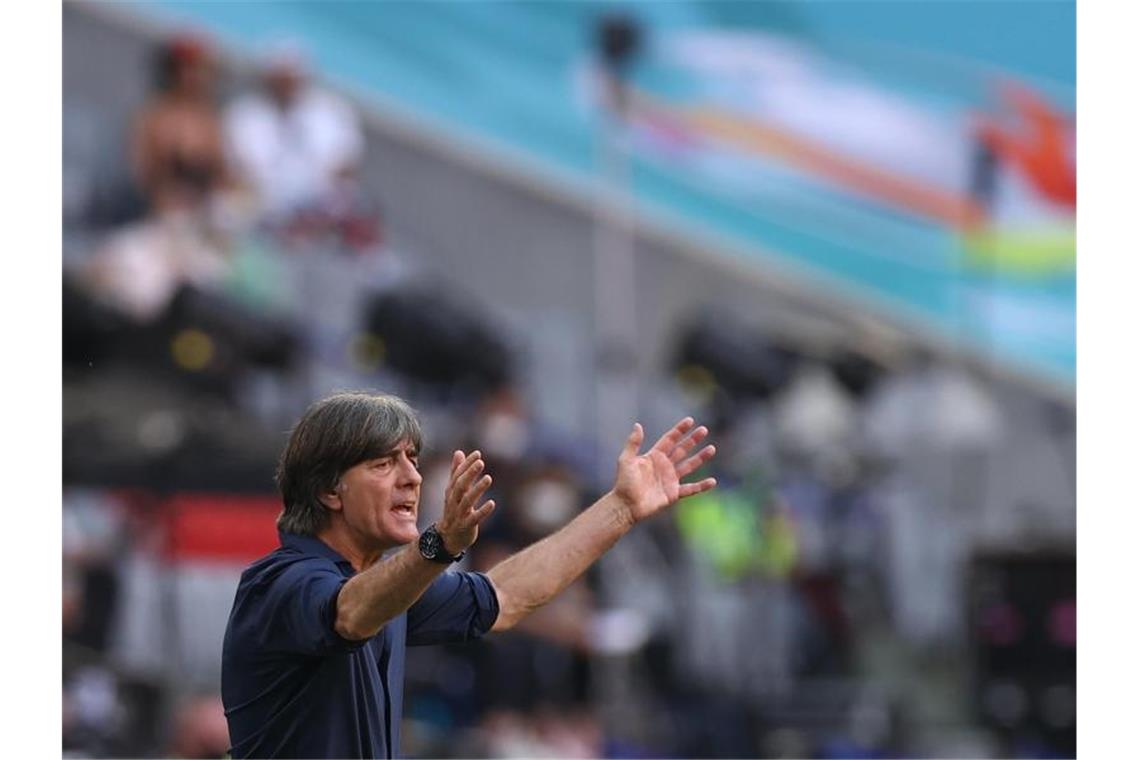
(283, 85)
(380, 497)
(196, 77)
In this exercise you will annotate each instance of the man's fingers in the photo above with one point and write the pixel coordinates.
(473, 493)
(465, 483)
(459, 468)
(633, 442)
(693, 463)
(666, 442)
(483, 512)
(465, 466)
(457, 459)
(690, 489)
(460, 477)
(687, 444)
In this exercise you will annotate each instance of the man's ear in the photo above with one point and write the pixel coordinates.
(331, 499)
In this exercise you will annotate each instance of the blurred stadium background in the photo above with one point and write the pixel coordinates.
(841, 233)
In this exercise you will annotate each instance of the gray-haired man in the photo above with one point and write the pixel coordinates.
(313, 657)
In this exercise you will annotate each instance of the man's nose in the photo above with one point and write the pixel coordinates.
(411, 474)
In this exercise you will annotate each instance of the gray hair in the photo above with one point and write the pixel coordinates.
(333, 435)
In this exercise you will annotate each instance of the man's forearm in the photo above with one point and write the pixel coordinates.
(371, 598)
(527, 580)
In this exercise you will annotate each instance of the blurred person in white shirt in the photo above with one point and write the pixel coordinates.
(295, 145)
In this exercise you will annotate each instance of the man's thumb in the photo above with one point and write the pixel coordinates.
(633, 442)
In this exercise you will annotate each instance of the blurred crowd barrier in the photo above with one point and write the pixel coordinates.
(887, 568)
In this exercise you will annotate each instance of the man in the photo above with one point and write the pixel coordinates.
(313, 659)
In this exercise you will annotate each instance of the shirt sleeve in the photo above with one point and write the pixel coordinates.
(455, 607)
(302, 610)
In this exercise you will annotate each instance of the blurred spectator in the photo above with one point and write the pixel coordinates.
(141, 268)
(171, 291)
(200, 729)
(814, 414)
(546, 734)
(93, 713)
(178, 161)
(92, 540)
(177, 148)
(298, 147)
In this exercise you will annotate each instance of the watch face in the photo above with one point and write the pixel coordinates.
(430, 544)
(431, 547)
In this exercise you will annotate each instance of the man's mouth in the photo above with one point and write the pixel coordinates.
(405, 510)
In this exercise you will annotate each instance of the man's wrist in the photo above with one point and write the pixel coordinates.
(622, 511)
(451, 544)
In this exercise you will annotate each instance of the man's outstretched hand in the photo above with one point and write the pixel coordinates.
(647, 483)
(462, 513)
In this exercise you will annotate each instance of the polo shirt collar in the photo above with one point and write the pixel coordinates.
(314, 546)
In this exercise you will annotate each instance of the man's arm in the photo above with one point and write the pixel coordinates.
(645, 485)
(371, 598)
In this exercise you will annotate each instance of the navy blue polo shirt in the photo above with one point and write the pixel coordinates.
(293, 687)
